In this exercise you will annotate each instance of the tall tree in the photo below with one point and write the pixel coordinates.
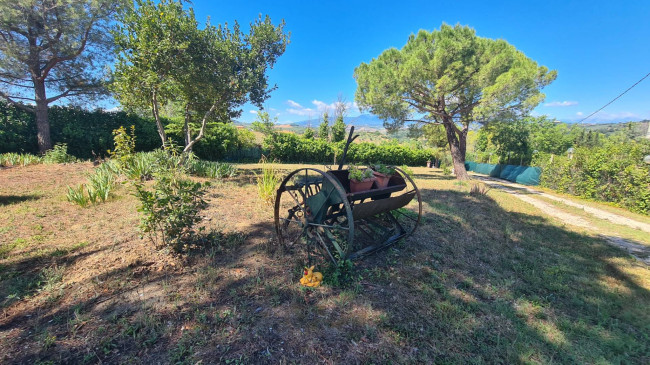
(512, 140)
(264, 124)
(164, 57)
(324, 128)
(54, 47)
(338, 128)
(451, 77)
(309, 133)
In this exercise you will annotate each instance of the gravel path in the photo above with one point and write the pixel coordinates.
(524, 193)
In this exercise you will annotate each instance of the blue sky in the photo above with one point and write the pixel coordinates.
(599, 48)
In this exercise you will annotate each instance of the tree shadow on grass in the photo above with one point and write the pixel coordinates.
(13, 199)
(433, 177)
(475, 283)
(506, 277)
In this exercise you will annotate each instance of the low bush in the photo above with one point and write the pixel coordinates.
(614, 172)
(171, 209)
(58, 154)
(289, 147)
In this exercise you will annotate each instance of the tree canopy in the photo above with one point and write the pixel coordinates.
(324, 128)
(164, 57)
(451, 77)
(53, 49)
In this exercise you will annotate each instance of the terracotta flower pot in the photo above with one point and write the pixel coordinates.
(381, 179)
(357, 186)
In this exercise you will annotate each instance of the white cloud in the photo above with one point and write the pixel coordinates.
(331, 108)
(301, 111)
(319, 107)
(605, 117)
(253, 112)
(615, 117)
(561, 103)
(293, 104)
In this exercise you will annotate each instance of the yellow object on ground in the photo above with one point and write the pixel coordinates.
(311, 278)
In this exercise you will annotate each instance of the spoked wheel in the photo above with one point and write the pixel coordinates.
(382, 230)
(311, 208)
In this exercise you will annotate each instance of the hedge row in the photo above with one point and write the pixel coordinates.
(613, 173)
(85, 132)
(288, 147)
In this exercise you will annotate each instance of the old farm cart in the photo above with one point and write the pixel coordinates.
(316, 208)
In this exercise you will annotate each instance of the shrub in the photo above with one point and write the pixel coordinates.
(171, 210)
(341, 275)
(289, 147)
(614, 172)
(446, 170)
(124, 145)
(58, 154)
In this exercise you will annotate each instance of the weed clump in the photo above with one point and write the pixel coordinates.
(341, 275)
(268, 181)
(479, 189)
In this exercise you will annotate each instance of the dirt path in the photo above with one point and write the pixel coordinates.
(524, 193)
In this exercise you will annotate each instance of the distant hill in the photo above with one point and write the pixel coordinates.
(372, 123)
(638, 128)
(363, 121)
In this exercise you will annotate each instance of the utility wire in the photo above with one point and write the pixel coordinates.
(613, 100)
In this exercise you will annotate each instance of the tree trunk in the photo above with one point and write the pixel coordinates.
(42, 121)
(156, 115)
(190, 144)
(457, 149)
(187, 131)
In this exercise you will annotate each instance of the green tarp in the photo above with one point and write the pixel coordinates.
(526, 175)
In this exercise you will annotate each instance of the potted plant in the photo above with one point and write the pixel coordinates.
(382, 174)
(360, 179)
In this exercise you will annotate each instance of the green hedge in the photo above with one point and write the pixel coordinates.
(288, 147)
(613, 173)
(86, 132)
(83, 131)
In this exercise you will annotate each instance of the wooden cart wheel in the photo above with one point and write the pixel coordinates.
(311, 208)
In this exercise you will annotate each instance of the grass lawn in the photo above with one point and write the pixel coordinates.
(484, 280)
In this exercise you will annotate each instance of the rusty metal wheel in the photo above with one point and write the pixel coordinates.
(312, 209)
(379, 231)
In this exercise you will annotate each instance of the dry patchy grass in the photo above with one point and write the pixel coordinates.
(485, 279)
